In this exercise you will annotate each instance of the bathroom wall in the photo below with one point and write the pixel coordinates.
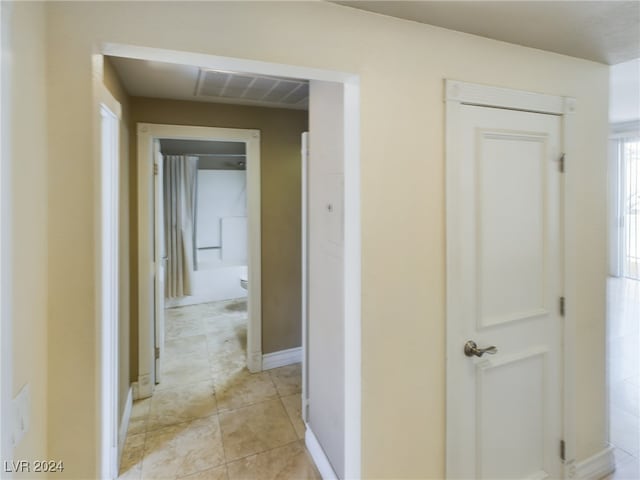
(280, 131)
(221, 237)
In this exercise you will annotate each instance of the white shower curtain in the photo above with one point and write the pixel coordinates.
(180, 174)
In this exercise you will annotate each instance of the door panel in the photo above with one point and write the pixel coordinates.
(326, 354)
(505, 282)
(511, 223)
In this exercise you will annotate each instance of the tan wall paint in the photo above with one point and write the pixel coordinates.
(114, 85)
(280, 131)
(29, 166)
(402, 66)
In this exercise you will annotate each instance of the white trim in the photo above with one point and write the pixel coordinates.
(281, 358)
(216, 62)
(147, 133)
(352, 285)
(106, 184)
(567, 219)
(595, 467)
(461, 93)
(6, 310)
(304, 283)
(485, 95)
(318, 456)
(124, 424)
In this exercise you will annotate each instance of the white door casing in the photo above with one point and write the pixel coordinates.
(107, 279)
(504, 283)
(160, 256)
(304, 200)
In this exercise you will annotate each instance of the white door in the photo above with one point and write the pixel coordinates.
(504, 410)
(160, 256)
(325, 301)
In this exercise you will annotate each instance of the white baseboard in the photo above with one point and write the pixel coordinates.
(281, 358)
(318, 455)
(124, 423)
(597, 466)
(135, 390)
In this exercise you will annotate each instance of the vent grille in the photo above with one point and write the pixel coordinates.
(242, 86)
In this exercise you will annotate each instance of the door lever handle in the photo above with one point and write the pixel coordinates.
(471, 349)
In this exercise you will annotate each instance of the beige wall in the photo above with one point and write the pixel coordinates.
(114, 85)
(401, 66)
(280, 131)
(29, 165)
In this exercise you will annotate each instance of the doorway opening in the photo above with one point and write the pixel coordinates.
(183, 230)
(334, 167)
(107, 245)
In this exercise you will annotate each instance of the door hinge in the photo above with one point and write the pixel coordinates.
(157, 352)
(561, 163)
(562, 450)
(562, 307)
(155, 168)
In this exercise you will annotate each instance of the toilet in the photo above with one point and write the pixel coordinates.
(244, 283)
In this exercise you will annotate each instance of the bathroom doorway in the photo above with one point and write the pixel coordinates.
(208, 251)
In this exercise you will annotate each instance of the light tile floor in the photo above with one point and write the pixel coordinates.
(623, 365)
(209, 418)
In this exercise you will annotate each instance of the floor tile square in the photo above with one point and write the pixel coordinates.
(287, 379)
(179, 450)
(243, 388)
(218, 473)
(181, 404)
(255, 429)
(293, 407)
(183, 370)
(179, 346)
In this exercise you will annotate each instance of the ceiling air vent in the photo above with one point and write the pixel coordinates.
(272, 91)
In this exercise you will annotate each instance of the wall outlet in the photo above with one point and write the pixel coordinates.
(22, 414)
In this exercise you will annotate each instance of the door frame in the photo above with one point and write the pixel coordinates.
(350, 112)
(457, 94)
(106, 214)
(147, 133)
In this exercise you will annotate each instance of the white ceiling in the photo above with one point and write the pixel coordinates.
(142, 78)
(603, 31)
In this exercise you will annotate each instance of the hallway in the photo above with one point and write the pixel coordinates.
(210, 418)
(623, 366)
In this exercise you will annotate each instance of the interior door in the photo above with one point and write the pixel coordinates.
(504, 408)
(160, 256)
(325, 302)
